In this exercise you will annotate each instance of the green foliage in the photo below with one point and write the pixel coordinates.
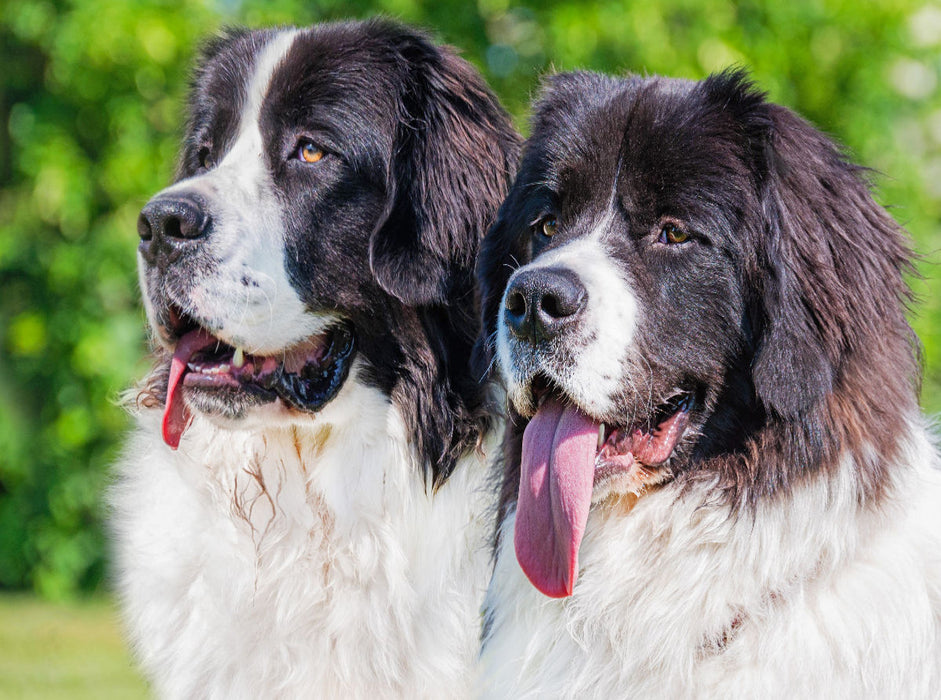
(91, 95)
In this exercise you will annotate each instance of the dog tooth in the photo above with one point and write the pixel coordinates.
(600, 435)
(238, 358)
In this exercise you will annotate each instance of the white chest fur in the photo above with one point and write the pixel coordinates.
(813, 597)
(307, 561)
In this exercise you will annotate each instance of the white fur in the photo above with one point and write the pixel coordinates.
(594, 379)
(833, 599)
(344, 576)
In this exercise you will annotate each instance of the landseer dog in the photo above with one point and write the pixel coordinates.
(302, 511)
(718, 480)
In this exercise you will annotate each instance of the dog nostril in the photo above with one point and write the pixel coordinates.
(144, 229)
(516, 304)
(550, 305)
(173, 228)
(565, 300)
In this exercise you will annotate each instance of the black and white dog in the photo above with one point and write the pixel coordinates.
(302, 511)
(716, 460)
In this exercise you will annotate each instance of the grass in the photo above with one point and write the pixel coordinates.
(64, 650)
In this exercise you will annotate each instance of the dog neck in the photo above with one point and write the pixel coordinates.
(680, 576)
(323, 556)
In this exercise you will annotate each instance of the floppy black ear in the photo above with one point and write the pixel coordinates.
(456, 153)
(796, 360)
(830, 259)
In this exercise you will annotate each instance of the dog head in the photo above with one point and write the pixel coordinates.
(333, 185)
(686, 281)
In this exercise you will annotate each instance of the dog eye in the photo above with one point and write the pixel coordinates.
(548, 226)
(309, 152)
(671, 233)
(204, 156)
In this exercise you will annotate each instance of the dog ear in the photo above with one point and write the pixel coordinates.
(456, 152)
(795, 366)
(830, 260)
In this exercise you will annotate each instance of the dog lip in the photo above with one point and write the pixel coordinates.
(541, 388)
(172, 323)
(178, 322)
(317, 383)
(305, 378)
(649, 444)
(213, 365)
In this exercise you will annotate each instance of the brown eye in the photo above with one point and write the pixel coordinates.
(548, 226)
(308, 152)
(671, 233)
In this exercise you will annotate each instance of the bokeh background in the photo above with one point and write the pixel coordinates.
(91, 95)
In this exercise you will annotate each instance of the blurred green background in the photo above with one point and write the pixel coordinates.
(91, 96)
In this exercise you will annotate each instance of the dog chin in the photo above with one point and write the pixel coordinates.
(241, 411)
(626, 487)
(231, 407)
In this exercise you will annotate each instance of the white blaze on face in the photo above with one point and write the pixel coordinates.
(247, 298)
(600, 343)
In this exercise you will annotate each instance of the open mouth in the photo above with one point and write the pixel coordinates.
(566, 454)
(305, 377)
(623, 449)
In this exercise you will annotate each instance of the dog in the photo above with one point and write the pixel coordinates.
(303, 508)
(718, 482)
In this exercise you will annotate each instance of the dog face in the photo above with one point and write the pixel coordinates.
(631, 298)
(333, 186)
(665, 292)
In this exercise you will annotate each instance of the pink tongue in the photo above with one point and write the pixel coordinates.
(176, 416)
(556, 480)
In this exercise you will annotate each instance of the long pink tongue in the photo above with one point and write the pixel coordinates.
(176, 416)
(556, 480)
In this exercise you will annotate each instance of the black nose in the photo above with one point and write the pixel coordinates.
(542, 302)
(166, 225)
